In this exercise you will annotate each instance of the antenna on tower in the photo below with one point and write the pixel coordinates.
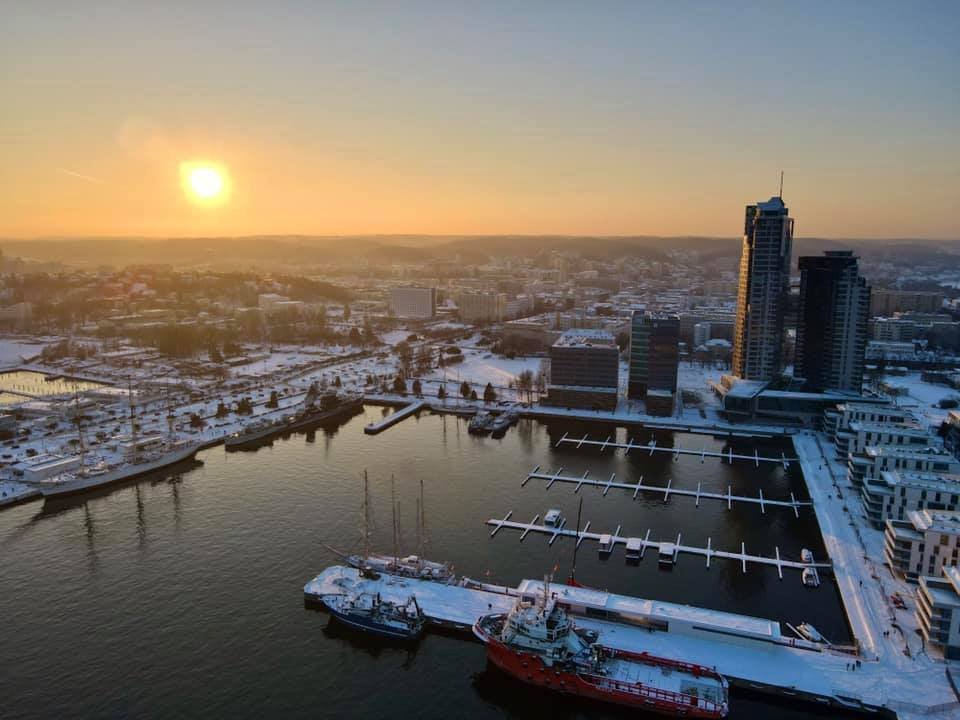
(781, 186)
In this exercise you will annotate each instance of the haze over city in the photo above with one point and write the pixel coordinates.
(440, 118)
(480, 360)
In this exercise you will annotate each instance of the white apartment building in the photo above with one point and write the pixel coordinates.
(896, 493)
(938, 611)
(861, 435)
(419, 303)
(839, 418)
(868, 465)
(923, 543)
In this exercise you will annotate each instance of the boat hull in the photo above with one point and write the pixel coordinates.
(127, 472)
(232, 443)
(367, 626)
(530, 669)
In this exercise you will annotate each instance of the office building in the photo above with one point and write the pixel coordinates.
(887, 302)
(654, 359)
(832, 322)
(482, 306)
(415, 303)
(762, 292)
(584, 370)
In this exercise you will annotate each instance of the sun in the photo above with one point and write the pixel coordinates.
(204, 183)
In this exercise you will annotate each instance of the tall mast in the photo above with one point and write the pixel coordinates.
(421, 524)
(78, 420)
(576, 544)
(133, 423)
(366, 517)
(396, 527)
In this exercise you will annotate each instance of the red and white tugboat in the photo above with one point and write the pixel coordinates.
(537, 643)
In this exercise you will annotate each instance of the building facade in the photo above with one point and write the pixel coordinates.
(897, 493)
(417, 303)
(888, 302)
(867, 466)
(832, 322)
(584, 370)
(482, 306)
(654, 353)
(762, 292)
(922, 544)
(938, 611)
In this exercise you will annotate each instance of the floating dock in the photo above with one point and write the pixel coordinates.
(392, 419)
(636, 544)
(751, 652)
(638, 487)
(651, 447)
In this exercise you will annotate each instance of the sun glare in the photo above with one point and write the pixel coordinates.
(204, 182)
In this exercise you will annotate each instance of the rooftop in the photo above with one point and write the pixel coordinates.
(941, 521)
(581, 337)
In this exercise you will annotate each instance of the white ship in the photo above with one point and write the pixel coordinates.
(101, 474)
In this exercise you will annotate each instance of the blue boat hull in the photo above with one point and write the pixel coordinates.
(368, 626)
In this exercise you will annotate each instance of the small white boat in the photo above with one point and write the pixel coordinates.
(553, 518)
(806, 556)
(810, 577)
(634, 548)
(667, 554)
(606, 544)
(809, 632)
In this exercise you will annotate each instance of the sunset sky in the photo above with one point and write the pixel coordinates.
(401, 117)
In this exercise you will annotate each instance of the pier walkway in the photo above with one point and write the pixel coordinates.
(393, 418)
(638, 487)
(651, 447)
(664, 549)
(749, 651)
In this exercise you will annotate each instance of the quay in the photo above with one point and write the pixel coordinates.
(751, 652)
(666, 549)
(392, 419)
(651, 447)
(638, 487)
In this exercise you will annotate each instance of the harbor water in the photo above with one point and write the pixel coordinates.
(180, 595)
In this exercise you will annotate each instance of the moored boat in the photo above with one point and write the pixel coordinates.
(537, 643)
(368, 612)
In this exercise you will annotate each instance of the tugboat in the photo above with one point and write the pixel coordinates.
(537, 643)
(369, 613)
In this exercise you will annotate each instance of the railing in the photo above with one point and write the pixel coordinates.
(654, 693)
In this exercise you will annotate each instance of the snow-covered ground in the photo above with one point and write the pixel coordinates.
(480, 367)
(922, 398)
(13, 351)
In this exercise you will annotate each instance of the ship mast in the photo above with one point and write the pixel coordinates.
(421, 525)
(366, 517)
(77, 418)
(396, 522)
(133, 423)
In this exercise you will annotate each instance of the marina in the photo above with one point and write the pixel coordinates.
(638, 487)
(393, 418)
(651, 448)
(667, 551)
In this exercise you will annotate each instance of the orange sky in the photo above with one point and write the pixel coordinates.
(427, 123)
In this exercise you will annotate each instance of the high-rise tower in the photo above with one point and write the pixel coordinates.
(832, 322)
(762, 293)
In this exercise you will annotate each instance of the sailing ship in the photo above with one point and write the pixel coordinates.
(412, 566)
(537, 643)
(143, 455)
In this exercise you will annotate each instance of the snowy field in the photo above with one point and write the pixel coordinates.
(922, 398)
(480, 367)
(14, 351)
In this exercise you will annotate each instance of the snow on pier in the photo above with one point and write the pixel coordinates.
(667, 550)
(638, 487)
(392, 419)
(751, 652)
(651, 447)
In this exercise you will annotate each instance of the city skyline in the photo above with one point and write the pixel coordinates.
(633, 121)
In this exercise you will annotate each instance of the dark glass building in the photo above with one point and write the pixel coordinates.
(832, 322)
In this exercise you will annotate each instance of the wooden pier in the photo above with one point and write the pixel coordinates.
(392, 419)
(674, 548)
(651, 447)
(638, 487)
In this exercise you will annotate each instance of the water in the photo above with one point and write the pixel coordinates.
(181, 595)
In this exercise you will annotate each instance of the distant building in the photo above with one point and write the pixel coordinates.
(17, 315)
(482, 306)
(654, 359)
(867, 466)
(584, 370)
(419, 303)
(887, 302)
(923, 543)
(832, 323)
(938, 611)
(762, 292)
